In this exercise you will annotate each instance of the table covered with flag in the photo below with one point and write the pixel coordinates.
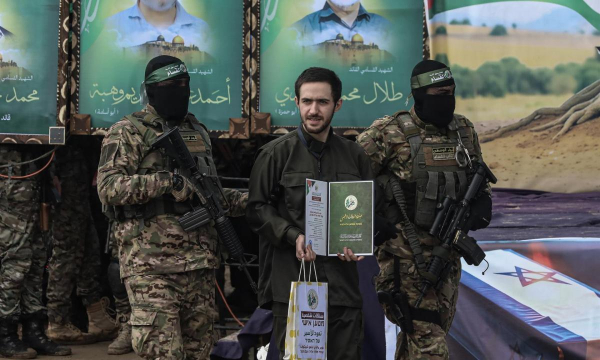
(528, 309)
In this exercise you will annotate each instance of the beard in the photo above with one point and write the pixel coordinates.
(159, 5)
(344, 4)
(323, 125)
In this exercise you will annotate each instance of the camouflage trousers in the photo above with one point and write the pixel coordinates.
(428, 340)
(75, 259)
(117, 285)
(172, 314)
(22, 251)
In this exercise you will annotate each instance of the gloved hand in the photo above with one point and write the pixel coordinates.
(481, 212)
(384, 230)
(183, 189)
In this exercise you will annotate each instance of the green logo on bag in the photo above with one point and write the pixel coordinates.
(312, 299)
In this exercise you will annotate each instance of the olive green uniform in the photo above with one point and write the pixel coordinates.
(276, 213)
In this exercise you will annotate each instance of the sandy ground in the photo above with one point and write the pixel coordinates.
(532, 160)
(92, 352)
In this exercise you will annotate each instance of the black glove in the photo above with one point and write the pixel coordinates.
(384, 230)
(481, 212)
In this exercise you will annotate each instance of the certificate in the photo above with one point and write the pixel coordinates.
(351, 217)
(338, 215)
(316, 216)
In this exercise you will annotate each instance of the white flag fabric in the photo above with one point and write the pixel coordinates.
(556, 305)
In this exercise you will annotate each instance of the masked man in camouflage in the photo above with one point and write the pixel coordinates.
(423, 152)
(168, 273)
(22, 258)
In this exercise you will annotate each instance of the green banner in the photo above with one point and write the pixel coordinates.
(373, 55)
(580, 6)
(118, 38)
(28, 66)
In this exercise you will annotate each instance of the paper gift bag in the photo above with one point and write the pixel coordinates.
(306, 332)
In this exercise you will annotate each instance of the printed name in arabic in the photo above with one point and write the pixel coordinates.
(381, 91)
(117, 95)
(388, 92)
(219, 99)
(31, 97)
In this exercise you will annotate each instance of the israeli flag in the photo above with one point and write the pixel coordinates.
(559, 307)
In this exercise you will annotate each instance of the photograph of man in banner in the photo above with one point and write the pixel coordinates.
(118, 38)
(160, 24)
(345, 24)
(28, 63)
(371, 44)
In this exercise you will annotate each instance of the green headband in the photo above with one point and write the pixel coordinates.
(166, 72)
(430, 78)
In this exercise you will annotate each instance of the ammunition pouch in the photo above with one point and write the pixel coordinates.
(149, 210)
(467, 247)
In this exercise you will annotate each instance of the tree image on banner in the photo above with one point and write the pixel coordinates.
(528, 76)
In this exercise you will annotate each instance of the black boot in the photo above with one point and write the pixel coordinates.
(34, 336)
(10, 345)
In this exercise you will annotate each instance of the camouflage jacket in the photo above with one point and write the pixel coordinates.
(390, 153)
(157, 245)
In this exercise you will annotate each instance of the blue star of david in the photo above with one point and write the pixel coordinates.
(526, 281)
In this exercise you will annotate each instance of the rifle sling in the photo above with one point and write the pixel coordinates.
(418, 314)
(407, 226)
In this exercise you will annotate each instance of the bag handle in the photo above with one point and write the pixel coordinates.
(302, 270)
(310, 269)
(312, 265)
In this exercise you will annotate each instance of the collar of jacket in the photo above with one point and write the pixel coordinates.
(314, 145)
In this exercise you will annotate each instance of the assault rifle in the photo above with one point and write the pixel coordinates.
(207, 186)
(450, 226)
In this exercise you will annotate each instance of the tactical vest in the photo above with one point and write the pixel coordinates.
(436, 172)
(197, 141)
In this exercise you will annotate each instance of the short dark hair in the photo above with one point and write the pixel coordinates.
(318, 74)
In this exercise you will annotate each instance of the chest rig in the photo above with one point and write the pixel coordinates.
(439, 165)
(197, 141)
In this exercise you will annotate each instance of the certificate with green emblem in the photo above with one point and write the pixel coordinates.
(338, 215)
(351, 217)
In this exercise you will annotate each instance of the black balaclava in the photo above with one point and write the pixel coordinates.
(171, 101)
(437, 110)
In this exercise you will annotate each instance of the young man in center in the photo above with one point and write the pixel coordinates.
(276, 212)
